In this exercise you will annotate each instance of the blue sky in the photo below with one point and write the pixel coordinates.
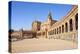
(24, 13)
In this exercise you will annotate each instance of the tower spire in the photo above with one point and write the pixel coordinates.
(49, 13)
(35, 19)
(49, 16)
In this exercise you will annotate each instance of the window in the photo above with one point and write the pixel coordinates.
(76, 21)
(71, 25)
(55, 31)
(59, 29)
(62, 28)
(66, 27)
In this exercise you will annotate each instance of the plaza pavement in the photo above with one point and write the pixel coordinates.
(42, 44)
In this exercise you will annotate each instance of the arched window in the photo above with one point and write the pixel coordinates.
(52, 32)
(71, 24)
(43, 33)
(76, 21)
(66, 27)
(55, 31)
(62, 28)
(49, 32)
(59, 29)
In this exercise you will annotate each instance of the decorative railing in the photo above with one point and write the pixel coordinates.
(72, 36)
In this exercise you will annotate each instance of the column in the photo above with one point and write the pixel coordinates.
(74, 26)
(64, 32)
(68, 26)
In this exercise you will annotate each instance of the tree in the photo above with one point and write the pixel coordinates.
(11, 30)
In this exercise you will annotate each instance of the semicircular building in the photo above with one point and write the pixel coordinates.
(66, 28)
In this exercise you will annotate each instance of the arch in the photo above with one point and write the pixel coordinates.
(59, 29)
(71, 25)
(66, 27)
(76, 21)
(62, 28)
(49, 32)
(55, 31)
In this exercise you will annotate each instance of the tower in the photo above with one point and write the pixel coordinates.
(36, 26)
(50, 20)
(49, 17)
